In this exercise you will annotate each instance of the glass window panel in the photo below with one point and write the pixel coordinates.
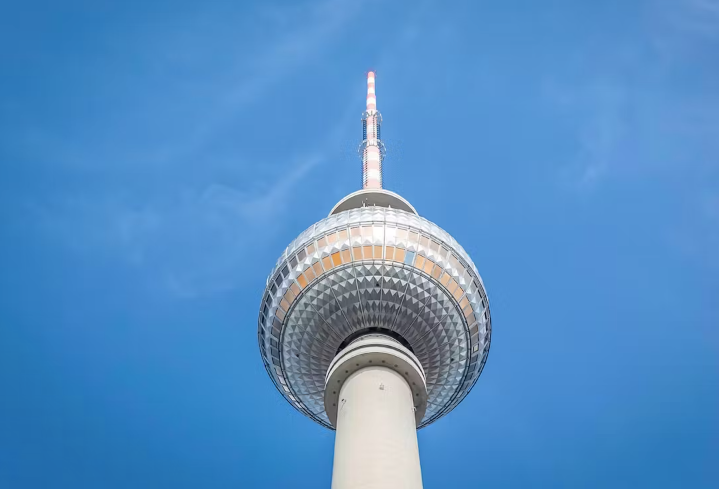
(326, 262)
(428, 266)
(366, 231)
(280, 314)
(424, 241)
(389, 252)
(402, 234)
(399, 255)
(378, 233)
(331, 238)
(310, 273)
(295, 289)
(409, 257)
(451, 284)
(343, 235)
(444, 279)
(420, 262)
(413, 237)
(378, 252)
(301, 255)
(458, 292)
(355, 232)
(293, 262)
(310, 248)
(346, 256)
(289, 295)
(336, 259)
(322, 243)
(302, 281)
(434, 246)
(367, 252)
(357, 252)
(317, 268)
(285, 305)
(437, 272)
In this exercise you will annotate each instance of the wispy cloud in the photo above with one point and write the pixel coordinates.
(684, 21)
(639, 113)
(190, 241)
(198, 98)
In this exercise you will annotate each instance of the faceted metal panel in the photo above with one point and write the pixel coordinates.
(374, 267)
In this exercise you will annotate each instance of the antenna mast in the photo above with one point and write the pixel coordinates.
(371, 150)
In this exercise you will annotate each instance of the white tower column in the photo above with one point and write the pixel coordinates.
(375, 395)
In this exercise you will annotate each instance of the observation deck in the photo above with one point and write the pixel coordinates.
(374, 266)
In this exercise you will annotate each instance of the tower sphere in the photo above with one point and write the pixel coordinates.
(374, 266)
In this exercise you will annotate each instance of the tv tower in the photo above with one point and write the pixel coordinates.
(374, 323)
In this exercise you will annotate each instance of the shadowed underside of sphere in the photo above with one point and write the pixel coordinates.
(374, 269)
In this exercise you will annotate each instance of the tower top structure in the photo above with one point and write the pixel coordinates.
(374, 266)
(372, 150)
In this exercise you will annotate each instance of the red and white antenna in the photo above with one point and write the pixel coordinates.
(371, 150)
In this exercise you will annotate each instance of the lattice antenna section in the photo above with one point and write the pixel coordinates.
(372, 149)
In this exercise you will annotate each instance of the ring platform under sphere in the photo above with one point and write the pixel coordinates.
(374, 269)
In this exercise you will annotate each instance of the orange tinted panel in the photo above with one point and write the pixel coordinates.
(311, 249)
(342, 234)
(346, 256)
(336, 260)
(451, 285)
(419, 262)
(285, 305)
(357, 252)
(378, 252)
(331, 238)
(399, 255)
(326, 262)
(445, 279)
(389, 252)
(289, 296)
(458, 293)
(280, 314)
(317, 268)
(436, 272)
(295, 289)
(322, 243)
(302, 281)
(428, 266)
(464, 302)
(367, 251)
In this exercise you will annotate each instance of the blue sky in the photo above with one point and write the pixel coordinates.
(157, 157)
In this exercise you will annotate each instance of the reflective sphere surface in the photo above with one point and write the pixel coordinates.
(374, 269)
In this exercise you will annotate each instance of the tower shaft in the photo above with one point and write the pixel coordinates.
(376, 439)
(375, 394)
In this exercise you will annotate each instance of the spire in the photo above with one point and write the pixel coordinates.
(372, 150)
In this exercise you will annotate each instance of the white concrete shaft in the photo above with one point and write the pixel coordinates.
(376, 439)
